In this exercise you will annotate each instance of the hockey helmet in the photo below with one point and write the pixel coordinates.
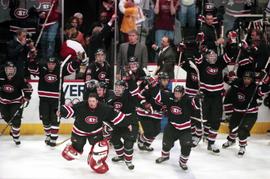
(52, 60)
(249, 74)
(100, 51)
(10, 69)
(102, 84)
(179, 88)
(133, 60)
(163, 75)
(120, 83)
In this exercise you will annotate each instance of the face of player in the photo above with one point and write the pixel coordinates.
(100, 58)
(92, 102)
(211, 58)
(254, 36)
(132, 38)
(178, 95)
(10, 71)
(164, 82)
(74, 22)
(119, 90)
(101, 92)
(133, 66)
(51, 66)
(22, 37)
(209, 19)
(247, 81)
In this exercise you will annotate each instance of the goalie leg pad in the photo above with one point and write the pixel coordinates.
(69, 153)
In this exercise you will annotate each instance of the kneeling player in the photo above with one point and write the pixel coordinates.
(89, 116)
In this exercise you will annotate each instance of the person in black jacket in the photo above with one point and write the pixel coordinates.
(15, 91)
(179, 108)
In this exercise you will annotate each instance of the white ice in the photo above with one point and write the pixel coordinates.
(34, 160)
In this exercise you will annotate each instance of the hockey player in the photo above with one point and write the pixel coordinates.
(243, 102)
(135, 69)
(179, 108)
(150, 114)
(99, 70)
(211, 85)
(104, 94)
(48, 91)
(192, 89)
(88, 125)
(124, 100)
(15, 91)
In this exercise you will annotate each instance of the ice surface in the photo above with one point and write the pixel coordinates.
(34, 160)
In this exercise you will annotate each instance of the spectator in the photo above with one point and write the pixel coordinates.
(74, 22)
(47, 42)
(79, 16)
(17, 51)
(166, 57)
(132, 48)
(130, 13)
(96, 40)
(164, 23)
(187, 15)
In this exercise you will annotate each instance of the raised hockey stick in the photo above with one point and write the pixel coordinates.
(13, 117)
(43, 27)
(251, 99)
(235, 67)
(60, 83)
(194, 66)
(179, 63)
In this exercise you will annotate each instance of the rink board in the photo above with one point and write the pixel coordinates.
(73, 93)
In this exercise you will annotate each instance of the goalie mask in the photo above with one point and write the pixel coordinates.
(97, 157)
(211, 57)
(10, 69)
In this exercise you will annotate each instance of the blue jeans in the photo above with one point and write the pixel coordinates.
(161, 33)
(187, 14)
(47, 41)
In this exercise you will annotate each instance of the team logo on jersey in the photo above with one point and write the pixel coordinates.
(176, 110)
(8, 88)
(212, 71)
(102, 76)
(21, 13)
(50, 78)
(91, 119)
(117, 106)
(45, 6)
(194, 77)
(241, 97)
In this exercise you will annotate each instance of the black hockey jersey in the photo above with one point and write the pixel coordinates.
(14, 90)
(211, 74)
(98, 72)
(179, 112)
(48, 84)
(239, 97)
(192, 86)
(89, 122)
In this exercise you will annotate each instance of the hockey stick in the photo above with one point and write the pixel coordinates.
(235, 67)
(43, 26)
(24, 105)
(61, 142)
(179, 63)
(60, 84)
(193, 65)
(251, 99)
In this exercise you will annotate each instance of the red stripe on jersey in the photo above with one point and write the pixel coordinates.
(182, 126)
(118, 118)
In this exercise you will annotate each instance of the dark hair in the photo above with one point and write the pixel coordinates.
(93, 95)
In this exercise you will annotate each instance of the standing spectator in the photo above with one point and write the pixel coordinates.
(166, 57)
(165, 15)
(79, 16)
(47, 42)
(17, 51)
(128, 24)
(96, 40)
(187, 15)
(74, 22)
(132, 48)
